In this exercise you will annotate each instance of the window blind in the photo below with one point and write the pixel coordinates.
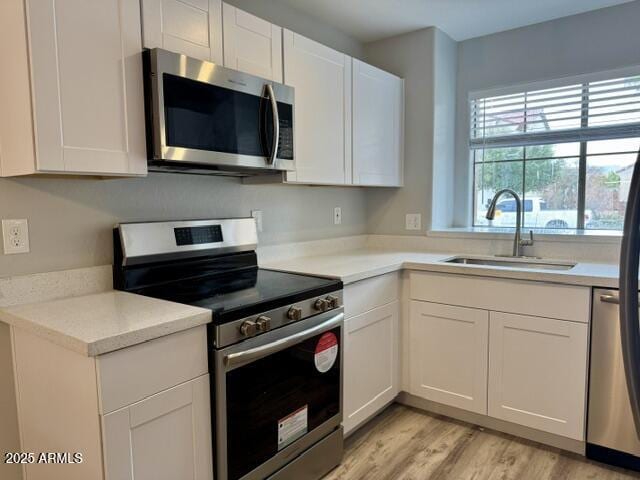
(580, 112)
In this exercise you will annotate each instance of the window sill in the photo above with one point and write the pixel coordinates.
(501, 233)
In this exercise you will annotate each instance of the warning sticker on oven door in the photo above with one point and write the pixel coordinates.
(326, 352)
(292, 427)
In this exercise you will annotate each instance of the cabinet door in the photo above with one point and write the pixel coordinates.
(251, 44)
(378, 117)
(87, 86)
(448, 350)
(537, 373)
(370, 363)
(165, 437)
(322, 81)
(190, 27)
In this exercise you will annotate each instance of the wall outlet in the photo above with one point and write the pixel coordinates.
(15, 235)
(337, 216)
(257, 214)
(413, 221)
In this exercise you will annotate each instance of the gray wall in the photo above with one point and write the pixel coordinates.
(586, 43)
(409, 56)
(444, 121)
(290, 18)
(70, 220)
(426, 59)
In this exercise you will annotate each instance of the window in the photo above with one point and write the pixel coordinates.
(568, 151)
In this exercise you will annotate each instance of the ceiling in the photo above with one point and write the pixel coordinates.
(369, 20)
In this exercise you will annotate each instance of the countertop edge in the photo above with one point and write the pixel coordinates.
(47, 333)
(95, 348)
(119, 342)
(534, 275)
(531, 276)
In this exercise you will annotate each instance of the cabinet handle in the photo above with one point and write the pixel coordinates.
(271, 160)
(610, 299)
(239, 359)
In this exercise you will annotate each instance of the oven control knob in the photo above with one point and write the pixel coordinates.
(334, 302)
(248, 328)
(294, 313)
(322, 305)
(263, 323)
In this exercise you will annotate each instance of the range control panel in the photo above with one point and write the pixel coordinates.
(233, 332)
(198, 235)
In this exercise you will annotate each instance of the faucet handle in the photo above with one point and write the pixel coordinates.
(529, 242)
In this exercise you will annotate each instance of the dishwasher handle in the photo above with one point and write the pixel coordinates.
(608, 298)
(611, 298)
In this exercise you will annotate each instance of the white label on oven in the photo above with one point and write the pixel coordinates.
(292, 427)
(326, 352)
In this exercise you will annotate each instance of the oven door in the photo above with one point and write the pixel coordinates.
(276, 395)
(205, 114)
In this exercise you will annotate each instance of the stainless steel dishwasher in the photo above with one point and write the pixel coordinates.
(611, 431)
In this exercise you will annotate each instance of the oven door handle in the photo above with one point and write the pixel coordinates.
(272, 158)
(238, 359)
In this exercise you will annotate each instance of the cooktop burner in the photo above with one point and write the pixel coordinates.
(240, 293)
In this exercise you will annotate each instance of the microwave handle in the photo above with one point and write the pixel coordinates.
(234, 360)
(271, 159)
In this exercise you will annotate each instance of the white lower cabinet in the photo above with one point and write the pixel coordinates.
(448, 355)
(537, 373)
(164, 437)
(370, 363)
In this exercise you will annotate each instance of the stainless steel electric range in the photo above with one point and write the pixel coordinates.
(275, 343)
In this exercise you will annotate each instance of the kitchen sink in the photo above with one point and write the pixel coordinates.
(513, 263)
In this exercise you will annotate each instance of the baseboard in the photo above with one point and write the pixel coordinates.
(550, 439)
(369, 417)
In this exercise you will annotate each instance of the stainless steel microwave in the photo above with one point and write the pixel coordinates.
(205, 118)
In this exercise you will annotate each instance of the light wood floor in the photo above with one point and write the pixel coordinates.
(404, 443)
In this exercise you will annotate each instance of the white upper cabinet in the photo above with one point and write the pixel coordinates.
(322, 81)
(189, 27)
(378, 118)
(251, 44)
(86, 104)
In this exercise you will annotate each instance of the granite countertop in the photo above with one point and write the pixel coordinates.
(100, 323)
(356, 265)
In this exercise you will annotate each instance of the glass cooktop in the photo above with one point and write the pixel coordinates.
(240, 293)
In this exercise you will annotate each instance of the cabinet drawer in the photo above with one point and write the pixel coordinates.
(368, 294)
(132, 374)
(529, 298)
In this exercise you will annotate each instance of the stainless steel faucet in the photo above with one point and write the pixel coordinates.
(518, 243)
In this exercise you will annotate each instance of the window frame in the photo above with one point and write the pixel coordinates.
(525, 88)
